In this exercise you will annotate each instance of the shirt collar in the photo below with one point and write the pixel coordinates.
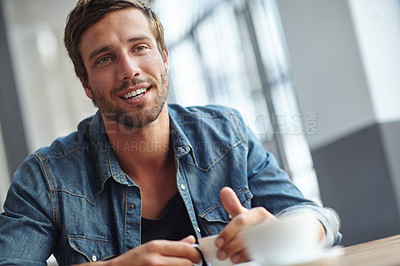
(180, 142)
(106, 162)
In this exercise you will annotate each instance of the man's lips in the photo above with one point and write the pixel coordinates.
(132, 93)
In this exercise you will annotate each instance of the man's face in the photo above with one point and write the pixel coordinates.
(127, 75)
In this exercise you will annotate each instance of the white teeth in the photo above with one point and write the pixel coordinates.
(134, 93)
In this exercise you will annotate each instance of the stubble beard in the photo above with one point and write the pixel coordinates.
(140, 118)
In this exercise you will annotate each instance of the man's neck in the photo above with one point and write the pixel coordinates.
(140, 151)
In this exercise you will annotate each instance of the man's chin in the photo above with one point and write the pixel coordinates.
(131, 121)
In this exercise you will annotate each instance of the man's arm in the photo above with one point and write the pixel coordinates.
(274, 190)
(274, 197)
(27, 230)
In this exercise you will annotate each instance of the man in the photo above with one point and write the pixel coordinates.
(141, 180)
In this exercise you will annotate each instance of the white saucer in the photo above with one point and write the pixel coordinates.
(325, 257)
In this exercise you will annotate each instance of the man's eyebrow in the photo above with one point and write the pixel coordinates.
(99, 51)
(139, 38)
(108, 47)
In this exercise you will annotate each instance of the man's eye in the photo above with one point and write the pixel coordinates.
(103, 60)
(141, 48)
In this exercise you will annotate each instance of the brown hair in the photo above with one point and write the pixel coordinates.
(88, 12)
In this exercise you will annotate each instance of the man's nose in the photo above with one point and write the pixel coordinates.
(128, 67)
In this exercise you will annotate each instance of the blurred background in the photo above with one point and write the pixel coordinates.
(316, 80)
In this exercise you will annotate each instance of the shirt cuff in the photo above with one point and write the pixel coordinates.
(327, 216)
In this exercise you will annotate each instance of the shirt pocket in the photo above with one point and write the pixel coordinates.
(82, 249)
(215, 218)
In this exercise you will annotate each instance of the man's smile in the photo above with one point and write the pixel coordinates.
(135, 93)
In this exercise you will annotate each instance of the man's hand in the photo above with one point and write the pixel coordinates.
(230, 244)
(160, 252)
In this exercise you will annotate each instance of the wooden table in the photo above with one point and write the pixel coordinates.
(381, 252)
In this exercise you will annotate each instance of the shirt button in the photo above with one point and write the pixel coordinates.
(230, 216)
(198, 229)
(94, 258)
(132, 206)
(183, 187)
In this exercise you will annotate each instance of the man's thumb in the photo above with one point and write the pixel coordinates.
(231, 202)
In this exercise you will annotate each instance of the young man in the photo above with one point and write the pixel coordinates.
(141, 180)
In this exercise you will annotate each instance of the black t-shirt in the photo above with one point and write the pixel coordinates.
(174, 223)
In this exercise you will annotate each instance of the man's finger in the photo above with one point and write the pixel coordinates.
(189, 239)
(178, 249)
(230, 249)
(239, 222)
(177, 261)
(231, 202)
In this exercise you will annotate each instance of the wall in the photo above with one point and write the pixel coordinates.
(345, 60)
(51, 97)
(4, 174)
(377, 25)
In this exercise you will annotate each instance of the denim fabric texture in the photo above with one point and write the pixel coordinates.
(73, 200)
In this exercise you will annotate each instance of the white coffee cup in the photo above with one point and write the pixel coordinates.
(209, 250)
(290, 240)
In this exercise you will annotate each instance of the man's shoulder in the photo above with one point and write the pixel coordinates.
(207, 123)
(62, 146)
(62, 161)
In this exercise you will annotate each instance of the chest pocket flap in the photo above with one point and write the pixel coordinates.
(92, 249)
(217, 212)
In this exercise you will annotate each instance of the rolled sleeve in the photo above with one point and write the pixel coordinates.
(327, 216)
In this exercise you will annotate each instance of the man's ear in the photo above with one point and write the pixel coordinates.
(165, 57)
(85, 85)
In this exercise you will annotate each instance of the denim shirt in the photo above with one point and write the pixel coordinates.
(73, 200)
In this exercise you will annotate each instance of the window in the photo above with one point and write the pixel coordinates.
(233, 53)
